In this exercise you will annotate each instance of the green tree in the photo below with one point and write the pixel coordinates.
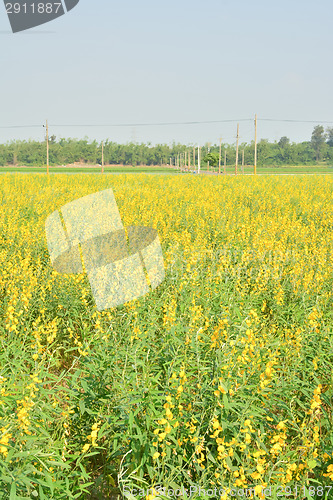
(329, 134)
(213, 159)
(284, 141)
(318, 141)
(265, 153)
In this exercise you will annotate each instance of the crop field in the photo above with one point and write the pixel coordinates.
(90, 170)
(219, 380)
(146, 169)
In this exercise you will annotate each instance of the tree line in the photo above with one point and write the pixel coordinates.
(67, 151)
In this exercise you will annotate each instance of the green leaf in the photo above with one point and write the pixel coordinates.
(12, 495)
(41, 493)
(82, 407)
(129, 496)
(84, 385)
(226, 402)
(131, 420)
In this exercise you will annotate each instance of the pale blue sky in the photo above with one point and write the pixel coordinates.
(187, 60)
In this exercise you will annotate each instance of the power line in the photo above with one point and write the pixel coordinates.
(22, 126)
(130, 124)
(292, 121)
(156, 124)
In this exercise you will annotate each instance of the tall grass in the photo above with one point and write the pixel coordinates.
(220, 378)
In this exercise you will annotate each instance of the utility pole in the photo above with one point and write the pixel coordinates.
(102, 157)
(47, 147)
(185, 159)
(243, 161)
(189, 161)
(198, 159)
(236, 164)
(194, 158)
(225, 162)
(255, 144)
(220, 155)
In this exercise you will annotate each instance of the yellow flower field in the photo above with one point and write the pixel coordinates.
(219, 379)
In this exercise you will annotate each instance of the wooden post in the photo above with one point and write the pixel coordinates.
(225, 162)
(236, 164)
(194, 158)
(220, 155)
(185, 160)
(243, 161)
(198, 159)
(102, 157)
(208, 153)
(189, 161)
(47, 148)
(255, 144)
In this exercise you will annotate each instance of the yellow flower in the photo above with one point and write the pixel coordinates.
(247, 439)
(281, 426)
(169, 414)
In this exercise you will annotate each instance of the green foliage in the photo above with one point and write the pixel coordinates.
(186, 385)
(330, 136)
(68, 151)
(318, 141)
(212, 158)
